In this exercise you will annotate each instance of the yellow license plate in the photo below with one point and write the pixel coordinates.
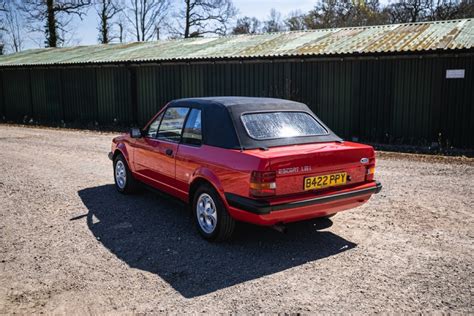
(328, 180)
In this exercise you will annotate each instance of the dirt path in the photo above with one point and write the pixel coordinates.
(69, 242)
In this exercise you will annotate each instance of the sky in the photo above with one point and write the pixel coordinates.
(86, 31)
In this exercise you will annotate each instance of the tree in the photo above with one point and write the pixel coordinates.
(345, 13)
(2, 29)
(466, 9)
(53, 17)
(451, 9)
(106, 10)
(274, 22)
(327, 14)
(2, 10)
(2, 26)
(201, 17)
(2, 45)
(146, 17)
(295, 21)
(12, 26)
(406, 11)
(122, 27)
(444, 10)
(365, 12)
(246, 25)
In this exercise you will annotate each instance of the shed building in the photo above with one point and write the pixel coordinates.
(402, 83)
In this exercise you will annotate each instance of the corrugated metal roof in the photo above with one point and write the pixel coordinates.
(412, 37)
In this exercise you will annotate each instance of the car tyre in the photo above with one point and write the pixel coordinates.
(210, 215)
(124, 181)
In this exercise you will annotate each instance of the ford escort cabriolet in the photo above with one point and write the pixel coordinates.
(258, 160)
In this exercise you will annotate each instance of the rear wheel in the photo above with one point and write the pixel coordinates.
(124, 181)
(212, 219)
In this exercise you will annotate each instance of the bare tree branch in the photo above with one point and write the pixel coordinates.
(342, 13)
(56, 14)
(107, 10)
(14, 27)
(274, 22)
(146, 17)
(247, 25)
(200, 17)
(2, 10)
(11, 26)
(295, 21)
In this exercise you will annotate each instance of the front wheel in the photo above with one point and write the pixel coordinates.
(212, 219)
(124, 181)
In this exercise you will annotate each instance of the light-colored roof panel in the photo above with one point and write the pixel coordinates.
(410, 37)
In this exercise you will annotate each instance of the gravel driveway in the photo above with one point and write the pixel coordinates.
(70, 242)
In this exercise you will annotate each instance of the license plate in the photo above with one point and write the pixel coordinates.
(328, 180)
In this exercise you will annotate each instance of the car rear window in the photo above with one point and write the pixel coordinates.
(271, 125)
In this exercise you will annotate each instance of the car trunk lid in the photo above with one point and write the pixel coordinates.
(344, 164)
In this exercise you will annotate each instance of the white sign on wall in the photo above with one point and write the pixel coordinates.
(455, 74)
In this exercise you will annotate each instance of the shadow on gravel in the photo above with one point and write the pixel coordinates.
(155, 233)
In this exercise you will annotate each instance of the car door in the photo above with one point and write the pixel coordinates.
(144, 150)
(189, 150)
(155, 153)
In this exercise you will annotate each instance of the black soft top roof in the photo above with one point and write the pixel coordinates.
(223, 127)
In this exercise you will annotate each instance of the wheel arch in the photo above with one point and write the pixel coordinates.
(116, 153)
(202, 177)
(121, 149)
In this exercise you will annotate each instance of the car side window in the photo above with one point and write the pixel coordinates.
(153, 128)
(192, 133)
(172, 124)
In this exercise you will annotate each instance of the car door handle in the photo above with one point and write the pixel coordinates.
(169, 152)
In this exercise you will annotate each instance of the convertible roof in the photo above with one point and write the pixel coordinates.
(223, 127)
(232, 101)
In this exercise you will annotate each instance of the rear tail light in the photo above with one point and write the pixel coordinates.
(262, 183)
(370, 172)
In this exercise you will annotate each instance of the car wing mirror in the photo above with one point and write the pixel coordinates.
(135, 133)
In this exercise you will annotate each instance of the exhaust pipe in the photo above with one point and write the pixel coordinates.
(280, 228)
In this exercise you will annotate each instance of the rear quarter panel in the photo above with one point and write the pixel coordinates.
(227, 170)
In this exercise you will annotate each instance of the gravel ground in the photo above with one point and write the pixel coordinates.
(70, 243)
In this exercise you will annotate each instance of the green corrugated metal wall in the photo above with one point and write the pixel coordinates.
(17, 96)
(79, 94)
(46, 97)
(391, 99)
(2, 104)
(147, 93)
(113, 95)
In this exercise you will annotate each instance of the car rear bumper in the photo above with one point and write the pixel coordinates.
(265, 213)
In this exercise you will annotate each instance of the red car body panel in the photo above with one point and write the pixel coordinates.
(229, 172)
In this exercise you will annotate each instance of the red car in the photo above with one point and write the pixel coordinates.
(258, 160)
